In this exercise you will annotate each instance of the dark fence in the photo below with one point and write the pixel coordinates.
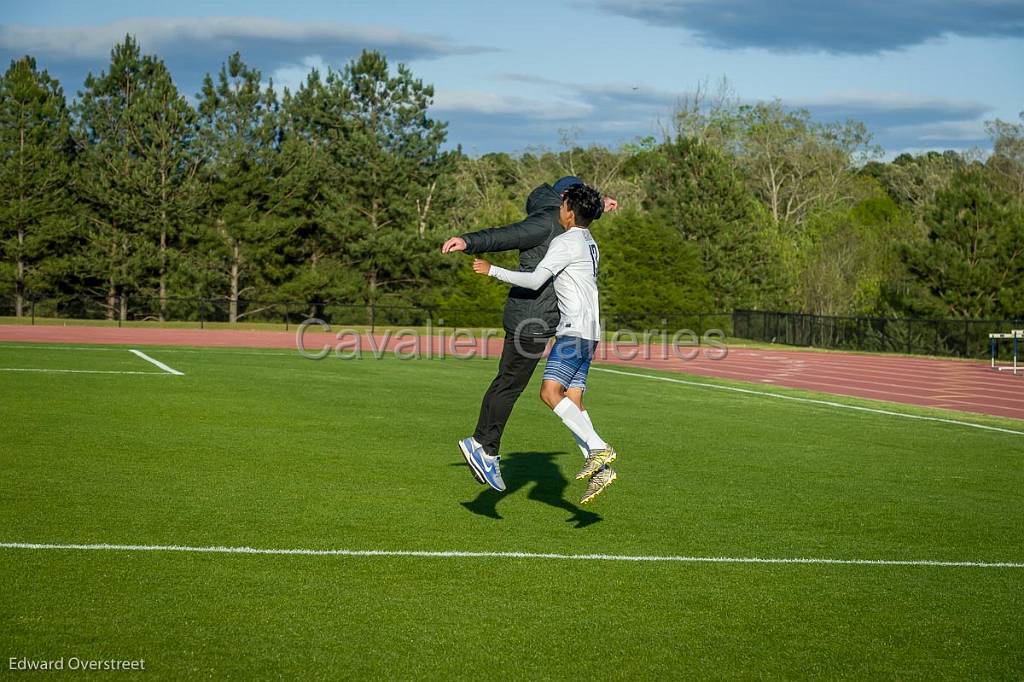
(667, 324)
(136, 309)
(123, 310)
(959, 338)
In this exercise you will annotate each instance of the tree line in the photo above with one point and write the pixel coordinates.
(343, 190)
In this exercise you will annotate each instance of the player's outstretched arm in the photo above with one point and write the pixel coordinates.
(528, 280)
(526, 234)
(554, 261)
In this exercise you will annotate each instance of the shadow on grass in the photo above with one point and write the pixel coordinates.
(519, 469)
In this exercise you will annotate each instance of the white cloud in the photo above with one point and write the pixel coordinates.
(887, 101)
(489, 103)
(292, 76)
(221, 35)
(944, 131)
(191, 47)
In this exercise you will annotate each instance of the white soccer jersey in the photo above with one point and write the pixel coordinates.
(572, 259)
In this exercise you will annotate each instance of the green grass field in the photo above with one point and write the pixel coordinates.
(268, 450)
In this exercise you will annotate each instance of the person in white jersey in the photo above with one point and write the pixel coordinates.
(572, 260)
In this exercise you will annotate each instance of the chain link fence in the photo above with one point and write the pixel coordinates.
(956, 338)
(200, 312)
(189, 311)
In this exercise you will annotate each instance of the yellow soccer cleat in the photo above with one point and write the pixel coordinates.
(598, 482)
(597, 459)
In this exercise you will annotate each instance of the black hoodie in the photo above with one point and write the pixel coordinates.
(536, 311)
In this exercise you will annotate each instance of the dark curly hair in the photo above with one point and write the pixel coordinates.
(585, 202)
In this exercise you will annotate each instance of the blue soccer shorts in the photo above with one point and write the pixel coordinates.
(569, 361)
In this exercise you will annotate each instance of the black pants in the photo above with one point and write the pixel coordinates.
(514, 372)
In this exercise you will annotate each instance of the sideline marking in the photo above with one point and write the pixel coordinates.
(232, 350)
(509, 555)
(236, 351)
(77, 371)
(159, 364)
(815, 401)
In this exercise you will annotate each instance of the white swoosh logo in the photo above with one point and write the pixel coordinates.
(488, 468)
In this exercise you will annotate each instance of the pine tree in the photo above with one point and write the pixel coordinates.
(390, 160)
(972, 262)
(238, 137)
(370, 215)
(35, 147)
(138, 176)
(311, 268)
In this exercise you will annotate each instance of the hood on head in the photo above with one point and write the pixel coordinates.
(541, 198)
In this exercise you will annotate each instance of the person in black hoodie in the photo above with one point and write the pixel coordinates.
(530, 319)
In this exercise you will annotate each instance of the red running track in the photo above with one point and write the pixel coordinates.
(968, 386)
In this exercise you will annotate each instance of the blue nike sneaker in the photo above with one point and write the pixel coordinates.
(484, 466)
(466, 447)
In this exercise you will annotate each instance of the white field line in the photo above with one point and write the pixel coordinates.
(508, 555)
(829, 403)
(4, 346)
(214, 350)
(159, 364)
(78, 371)
(815, 401)
(223, 350)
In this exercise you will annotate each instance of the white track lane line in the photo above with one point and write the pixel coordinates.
(829, 403)
(510, 555)
(159, 364)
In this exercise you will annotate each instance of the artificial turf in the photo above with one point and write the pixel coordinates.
(269, 450)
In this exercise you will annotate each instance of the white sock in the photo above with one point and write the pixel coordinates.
(586, 415)
(580, 426)
(580, 443)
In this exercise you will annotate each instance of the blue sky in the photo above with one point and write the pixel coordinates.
(922, 74)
